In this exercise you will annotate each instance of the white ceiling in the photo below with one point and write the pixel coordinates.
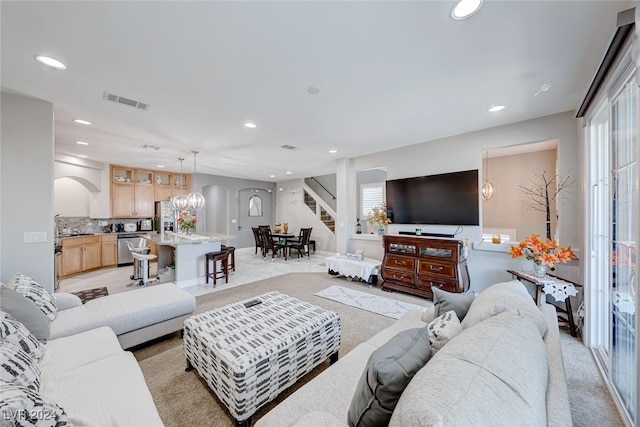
(391, 74)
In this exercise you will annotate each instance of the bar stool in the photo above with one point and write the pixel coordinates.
(223, 257)
(143, 262)
(232, 256)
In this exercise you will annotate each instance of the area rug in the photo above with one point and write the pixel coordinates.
(90, 294)
(376, 304)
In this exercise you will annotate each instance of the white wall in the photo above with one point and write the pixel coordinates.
(94, 176)
(26, 187)
(507, 208)
(290, 207)
(464, 152)
(70, 198)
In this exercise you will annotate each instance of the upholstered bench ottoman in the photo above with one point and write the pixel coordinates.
(135, 316)
(249, 354)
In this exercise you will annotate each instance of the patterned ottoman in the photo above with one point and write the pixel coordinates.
(248, 355)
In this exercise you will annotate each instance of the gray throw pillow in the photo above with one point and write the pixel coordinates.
(25, 312)
(388, 371)
(445, 301)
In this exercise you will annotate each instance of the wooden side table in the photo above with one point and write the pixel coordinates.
(551, 279)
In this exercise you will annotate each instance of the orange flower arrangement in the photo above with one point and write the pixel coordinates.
(542, 253)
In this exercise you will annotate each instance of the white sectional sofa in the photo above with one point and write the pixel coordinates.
(135, 316)
(96, 382)
(505, 368)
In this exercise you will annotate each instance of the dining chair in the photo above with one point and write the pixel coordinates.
(302, 245)
(268, 244)
(258, 238)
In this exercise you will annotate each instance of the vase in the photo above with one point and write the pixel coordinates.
(188, 231)
(539, 270)
(381, 231)
(285, 227)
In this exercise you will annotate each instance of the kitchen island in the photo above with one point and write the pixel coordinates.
(186, 253)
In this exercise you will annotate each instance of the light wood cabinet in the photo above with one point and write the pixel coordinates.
(135, 191)
(417, 264)
(80, 254)
(109, 250)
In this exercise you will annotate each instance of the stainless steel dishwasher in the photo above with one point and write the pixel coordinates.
(124, 254)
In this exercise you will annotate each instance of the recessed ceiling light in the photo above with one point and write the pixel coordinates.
(465, 9)
(83, 156)
(288, 172)
(313, 90)
(333, 151)
(161, 166)
(272, 176)
(82, 143)
(50, 62)
(82, 122)
(250, 125)
(496, 108)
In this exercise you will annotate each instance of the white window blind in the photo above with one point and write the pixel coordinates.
(371, 195)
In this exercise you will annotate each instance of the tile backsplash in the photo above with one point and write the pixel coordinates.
(85, 225)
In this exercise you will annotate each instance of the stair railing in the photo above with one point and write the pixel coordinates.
(323, 187)
(320, 204)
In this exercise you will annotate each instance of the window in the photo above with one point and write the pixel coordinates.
(255, 206)
(371, 195)
(612, 215)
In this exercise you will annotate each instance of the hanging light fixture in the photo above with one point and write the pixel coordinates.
(180, 202)
(487, 187)
(195, 199)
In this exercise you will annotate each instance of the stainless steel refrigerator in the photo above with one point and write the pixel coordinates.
(166, 217)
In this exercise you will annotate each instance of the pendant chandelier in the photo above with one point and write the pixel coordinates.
(180, 202)
(487, 186)
(195, 199)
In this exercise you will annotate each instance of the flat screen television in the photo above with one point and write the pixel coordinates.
(447, 199)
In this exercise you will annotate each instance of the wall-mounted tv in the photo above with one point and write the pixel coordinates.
(447, 199)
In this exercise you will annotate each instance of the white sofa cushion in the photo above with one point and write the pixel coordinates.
(126, 311)
(500, 297)
(492, 374)
(107, 392)
(67, 353)
(66, 300)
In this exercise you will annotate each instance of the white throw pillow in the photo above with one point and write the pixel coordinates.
(429, 314)
(34, 292)
(16, 333)
(442, 329)
(66, 301)
(24, 406)
(17, 367)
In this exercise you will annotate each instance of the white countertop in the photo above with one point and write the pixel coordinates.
(174, 239)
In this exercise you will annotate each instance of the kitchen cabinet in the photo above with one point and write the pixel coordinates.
(132, 193)
(109, 246)
(135, 191)
(80, 254)
(417, 264)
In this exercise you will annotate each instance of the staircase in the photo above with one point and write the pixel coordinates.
(325, 215)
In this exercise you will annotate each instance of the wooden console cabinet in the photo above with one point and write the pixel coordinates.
(415, 264)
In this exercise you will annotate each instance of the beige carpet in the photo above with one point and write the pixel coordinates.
(184, 399)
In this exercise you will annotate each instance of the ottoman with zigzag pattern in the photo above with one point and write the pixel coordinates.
(248, 355)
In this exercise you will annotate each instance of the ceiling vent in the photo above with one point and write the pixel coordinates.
(150, 147)
(289, 147)
(126, 101)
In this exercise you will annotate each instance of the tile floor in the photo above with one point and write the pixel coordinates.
(249, 268)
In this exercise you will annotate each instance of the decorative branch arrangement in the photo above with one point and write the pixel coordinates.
(542, 192)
